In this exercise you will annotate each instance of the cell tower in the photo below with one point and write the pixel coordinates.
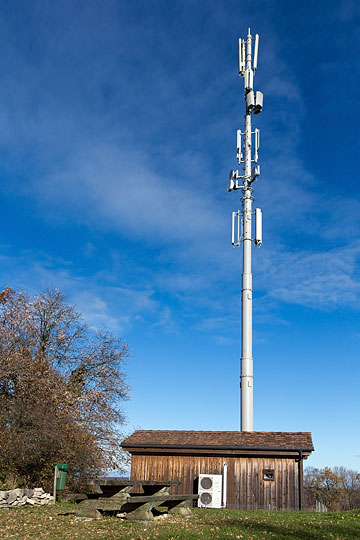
(247, 154)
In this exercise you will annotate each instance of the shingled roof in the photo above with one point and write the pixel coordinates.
(234, 440)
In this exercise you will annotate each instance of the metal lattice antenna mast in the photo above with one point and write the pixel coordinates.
(241, 220)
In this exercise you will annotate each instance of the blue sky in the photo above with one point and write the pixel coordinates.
(117, 131)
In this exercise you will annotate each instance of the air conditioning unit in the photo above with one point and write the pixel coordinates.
(210, 490)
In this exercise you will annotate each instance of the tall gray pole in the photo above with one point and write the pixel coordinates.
(247, 377)
(244, 233)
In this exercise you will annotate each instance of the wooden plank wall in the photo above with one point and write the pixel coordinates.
(246, 485)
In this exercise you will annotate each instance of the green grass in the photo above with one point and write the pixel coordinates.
(57, 522)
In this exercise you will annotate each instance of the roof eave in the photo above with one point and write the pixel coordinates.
(220, 447)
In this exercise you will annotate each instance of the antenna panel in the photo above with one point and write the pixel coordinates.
(233, 228)
(257, 144)
(238, 145)
(236, 232)
(241, 57)
(256, 49)
(258, 227)
(249, 77)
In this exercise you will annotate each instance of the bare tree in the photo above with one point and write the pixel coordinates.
(61, 389)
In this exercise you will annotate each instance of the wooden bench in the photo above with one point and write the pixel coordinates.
(110, 486)
(137, 507)
(134, 506)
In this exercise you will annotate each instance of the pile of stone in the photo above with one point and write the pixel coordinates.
(20, 497)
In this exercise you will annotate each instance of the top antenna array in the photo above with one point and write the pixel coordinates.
(242, 54)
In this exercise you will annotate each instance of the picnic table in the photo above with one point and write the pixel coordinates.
(113, 495)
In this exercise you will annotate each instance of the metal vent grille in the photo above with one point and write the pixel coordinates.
(206, 483)
(206, 498)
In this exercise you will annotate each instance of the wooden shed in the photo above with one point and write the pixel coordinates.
(263, 469)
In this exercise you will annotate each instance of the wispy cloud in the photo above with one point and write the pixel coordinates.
(102, 305)
(166, 322)
(322, 280)
(114, 190)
